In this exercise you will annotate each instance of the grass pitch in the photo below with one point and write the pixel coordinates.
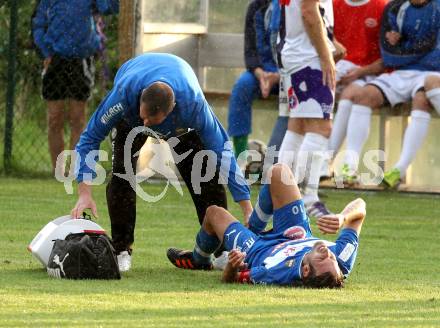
(395, 282)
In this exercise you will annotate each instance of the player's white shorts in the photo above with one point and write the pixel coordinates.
(401, 86)
(342, 68)
(303, 95)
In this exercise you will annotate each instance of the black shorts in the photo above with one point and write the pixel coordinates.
(69, 78)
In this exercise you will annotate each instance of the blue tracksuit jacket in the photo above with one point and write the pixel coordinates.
(67, 28)
(191, 111)
(257, 48)
(419, 26)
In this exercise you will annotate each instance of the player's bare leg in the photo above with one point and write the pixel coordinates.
(283, 187)
(217, 220)
(77, 120)
(432, 89)
(281, 190)
(208, 240)
(55, 127)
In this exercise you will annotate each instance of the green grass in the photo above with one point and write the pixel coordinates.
(395, 282)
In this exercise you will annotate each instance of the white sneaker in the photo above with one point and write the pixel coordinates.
(124, 261)
(220, 262)
(317, 210)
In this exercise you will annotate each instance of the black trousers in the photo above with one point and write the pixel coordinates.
(121, 198)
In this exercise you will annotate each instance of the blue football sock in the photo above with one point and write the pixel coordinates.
(263, 210)
(206, 244)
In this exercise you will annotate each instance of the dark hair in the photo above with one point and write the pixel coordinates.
(158, 97)
(324, 280)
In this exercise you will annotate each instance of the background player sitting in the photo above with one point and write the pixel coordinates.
(409, 43)
(261, 77)
(357, 27)
(286, 255)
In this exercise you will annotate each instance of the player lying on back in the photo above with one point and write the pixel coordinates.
(286, 255)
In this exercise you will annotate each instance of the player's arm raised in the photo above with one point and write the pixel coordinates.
(352, 216)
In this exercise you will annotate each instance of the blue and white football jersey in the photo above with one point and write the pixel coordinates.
(281, 263)
(276, 257)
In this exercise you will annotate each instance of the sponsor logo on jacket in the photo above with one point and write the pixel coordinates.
(112, 112)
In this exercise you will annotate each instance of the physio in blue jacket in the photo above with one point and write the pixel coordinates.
(65, 34)
(161, 92)
(260, 78)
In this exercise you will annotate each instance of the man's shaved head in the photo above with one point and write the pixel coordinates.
(158, 98)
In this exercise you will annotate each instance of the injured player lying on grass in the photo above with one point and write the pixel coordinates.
(286, 255)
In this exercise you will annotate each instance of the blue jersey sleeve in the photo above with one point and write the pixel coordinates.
(276, 16)
(214, 137)
(39, 27)
(108, 114)
(346, 249)
(278, 275)
(418, 29)
(261, 275)
(263, 41)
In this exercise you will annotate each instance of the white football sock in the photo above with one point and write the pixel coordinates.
(415, 134)
(289, 148)
(434, 98)
(311, 155)
(340, 123)
(357, 133)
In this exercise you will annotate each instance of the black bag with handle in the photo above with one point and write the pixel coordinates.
(83, 256)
